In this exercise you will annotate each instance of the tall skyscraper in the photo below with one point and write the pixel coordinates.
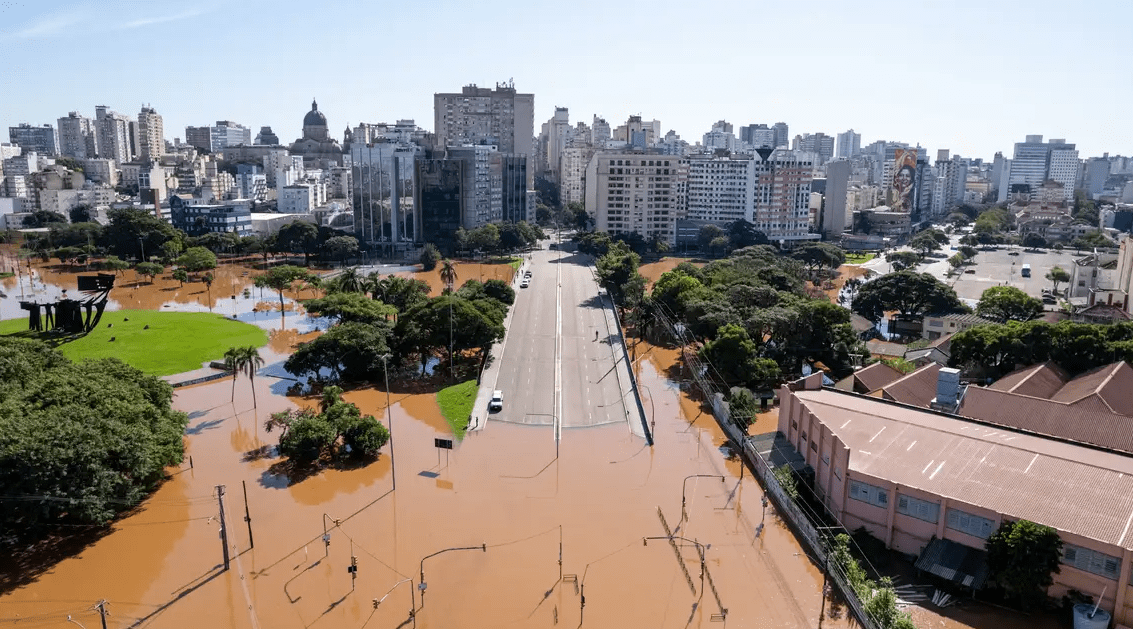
(634, 192)
(41, 140)
(819, 144)
(1036, 161)
(782, 194)
(479, 115)
(199, 137)
(556, 134)
(849, 144)
(151, 135)
(77, 137)
(113, 131)
(782, 134)
(834, 199)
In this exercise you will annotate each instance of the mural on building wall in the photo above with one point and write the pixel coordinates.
(904, 180)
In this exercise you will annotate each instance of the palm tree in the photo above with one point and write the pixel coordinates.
(208, 280)
(232, 363)
(448, 273)
(349, 281)
(249, 361)
(448, 276)
(372, 284)
(314, 283)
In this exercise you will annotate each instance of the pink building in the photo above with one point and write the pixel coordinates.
(912, 475)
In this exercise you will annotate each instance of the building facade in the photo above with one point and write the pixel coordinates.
(501, 117)
(634, 192)
(151, 135)
(32, 139)
(77, 137)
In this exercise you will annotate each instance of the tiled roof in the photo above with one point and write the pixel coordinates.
(876, 376)
(915, 389)
(885, 348)
(1071, 488)
(1041, 380)
(1094, 408)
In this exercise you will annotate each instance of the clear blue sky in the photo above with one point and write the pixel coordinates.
(972, 76)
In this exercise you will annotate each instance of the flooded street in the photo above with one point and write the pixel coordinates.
(502, 489)
(508, 529)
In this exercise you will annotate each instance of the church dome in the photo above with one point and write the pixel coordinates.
(314, 118)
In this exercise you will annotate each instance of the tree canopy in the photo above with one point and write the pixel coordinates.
(1021, 557)
(197, 259)
(911, 294)
(79, 443)
(1076, 347)
(1001, 303)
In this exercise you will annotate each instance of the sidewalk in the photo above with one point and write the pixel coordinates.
(491, 372)
(631, 397)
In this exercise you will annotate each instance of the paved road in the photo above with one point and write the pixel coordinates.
(552, 366)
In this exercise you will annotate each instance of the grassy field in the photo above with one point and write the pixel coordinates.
(859, 258)
(175, 341)
(456, 405)
(6, 274)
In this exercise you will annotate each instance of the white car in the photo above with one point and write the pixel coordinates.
(497, 402)
(525, 283)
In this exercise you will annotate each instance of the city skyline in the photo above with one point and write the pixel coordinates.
(949, 77)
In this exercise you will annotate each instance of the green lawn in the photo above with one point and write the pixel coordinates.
(175, 341)
(859, 258)
(6, 274)
(456, 405)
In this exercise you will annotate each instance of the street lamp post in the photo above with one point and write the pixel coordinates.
(684, 486)
(701, 549)
(389, 420)
(412, 599)
(422, 585)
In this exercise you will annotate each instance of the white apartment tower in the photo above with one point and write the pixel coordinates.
(77, 137)
(634, 192)
(782, 194)
(1036, 162)
(721, 190)
(113, 131)
(849, 144)
(557, 133)
(151, 135)
(478, 115)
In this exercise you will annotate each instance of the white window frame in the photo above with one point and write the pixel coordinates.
(869, 494)
(970, 523)
(1092, 561)
(916, 508)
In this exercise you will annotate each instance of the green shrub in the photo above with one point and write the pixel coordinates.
(307, 438)
(364, 436)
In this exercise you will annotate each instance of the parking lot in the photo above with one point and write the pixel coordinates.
(1000, 268)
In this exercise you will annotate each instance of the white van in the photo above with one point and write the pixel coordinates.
(497, 402)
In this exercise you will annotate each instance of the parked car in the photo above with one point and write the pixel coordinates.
(525, 283)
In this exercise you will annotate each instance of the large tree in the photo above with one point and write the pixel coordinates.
(350, 351)
(1021, 557)
(1057, 275)
(299, 237)
(136, 233)
(281, 278)
(341, 247)
(911, 294)
(819, 255)
(197, 259)
(343, 307)
(924, 243)
(95, 437)
(903, 260)
(617, 272)
(1001, 303)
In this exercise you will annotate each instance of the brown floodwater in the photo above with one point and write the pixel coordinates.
(510, 490)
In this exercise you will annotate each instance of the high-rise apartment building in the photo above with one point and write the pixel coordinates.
(834, 199)
(556, 135)
(820, 144)
(151, 135)
(113, 131)
(849, 144)
(635, 192)
(226, 133)
(1036, 161)
(782, 134)
(782, 194)
(720, 189)
(77, 137)
(478, 115)
(572, 173)
(599, 132)
(41, 140)
(199, 137)
(758, 136)
(1097, 172)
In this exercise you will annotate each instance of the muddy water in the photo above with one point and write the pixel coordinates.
(654, 270)
(464, 271)
(503, 488)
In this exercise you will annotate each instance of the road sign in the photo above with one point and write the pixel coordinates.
(445, 444)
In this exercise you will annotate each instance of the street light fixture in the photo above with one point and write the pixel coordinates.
(422, 585)
(684, 486)
(702, 551)
(389, 419)
(412, 599)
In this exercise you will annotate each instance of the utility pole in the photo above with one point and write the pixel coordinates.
(248, 515)
(101, 605)
(223, 524)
